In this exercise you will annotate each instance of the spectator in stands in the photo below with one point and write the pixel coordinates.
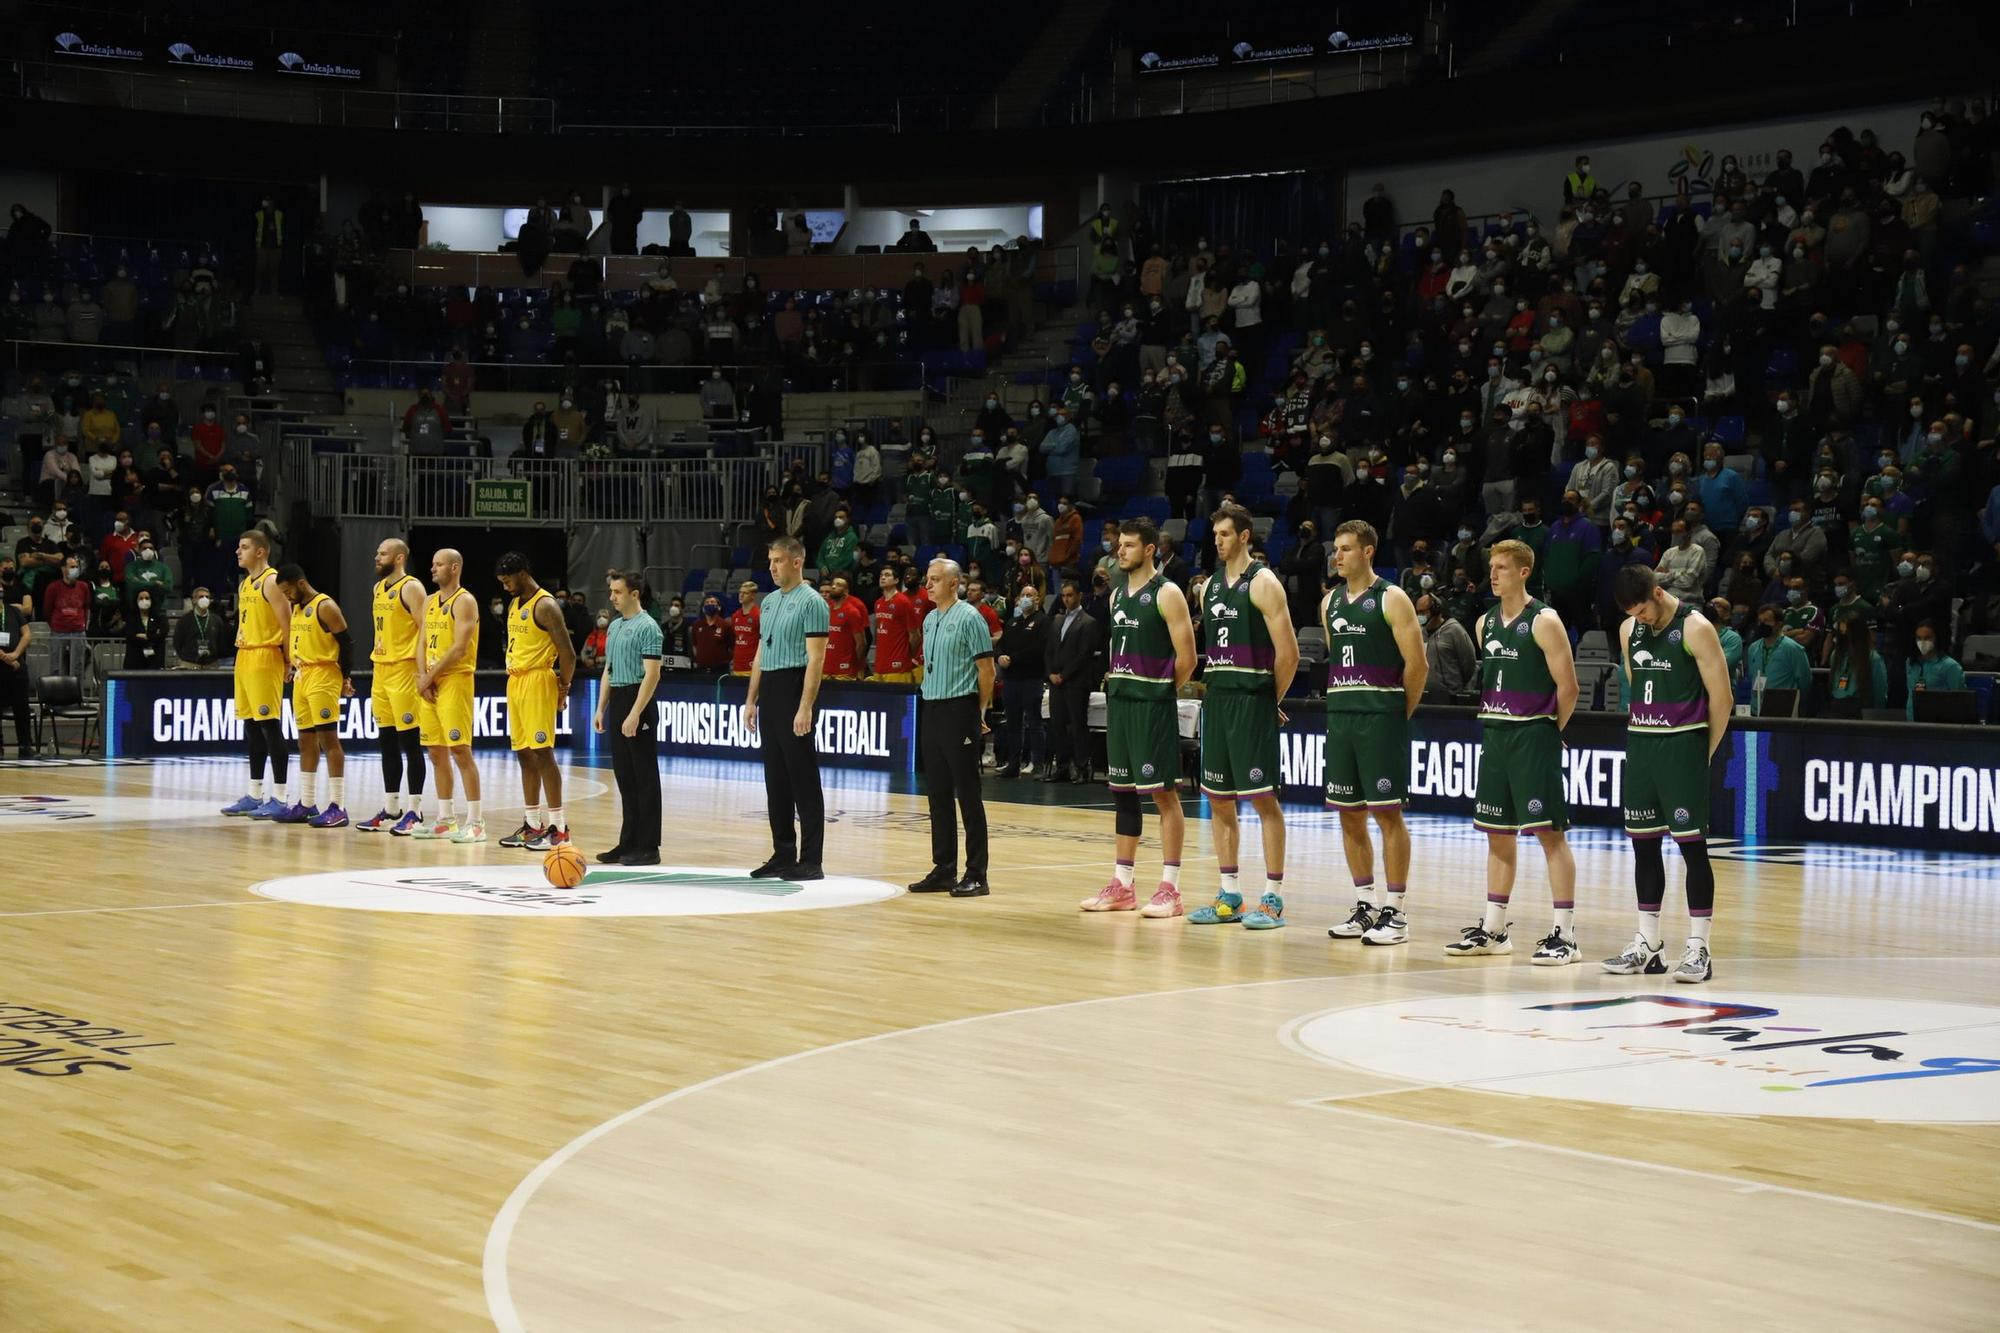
(1930, 667)
(1696, 516)
(1594, 480)
(567, 428)
(1447, 649)
(1680, 331)
(456, 382)
(230, 507)
(1833, 392)
(1061, 449)
(837, 551)
(916, 240)
(1855, 670)
(210, 443)
(148, 573)
(1683, 566)
(65, 605)
(718, 398)
(1724, 495)
(1570, 558)
(146, 634)
(107, 604)
(61, 473)
(1723, 617)
(622, 218)
(1804, 624)
(425, 425)
(15, 638)
(1800, 539)
(203, 637)
(1037, 531)
(119, 546)
(1066, 540)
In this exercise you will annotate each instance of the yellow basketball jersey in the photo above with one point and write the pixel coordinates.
(256, 622)
(312, 644)
(395, 627)
(529, 647)
(439, 628)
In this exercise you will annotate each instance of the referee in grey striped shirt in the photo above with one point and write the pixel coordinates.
(958, 686)
(785, 676)
(625, 699)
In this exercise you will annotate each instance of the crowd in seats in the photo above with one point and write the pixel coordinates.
(117, 292)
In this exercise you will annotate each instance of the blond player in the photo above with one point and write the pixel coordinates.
(263, 629)
(541, 661)
(445, 656)
(322, 675)
(399, 623)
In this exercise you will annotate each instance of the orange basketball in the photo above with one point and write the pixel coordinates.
(563, 866)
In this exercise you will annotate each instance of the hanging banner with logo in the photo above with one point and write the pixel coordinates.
(859, 724)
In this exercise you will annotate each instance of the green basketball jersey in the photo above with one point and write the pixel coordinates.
(1364, 666)
(1240, 655)
(1515, 684)
(1667, 689)
(1142, 649)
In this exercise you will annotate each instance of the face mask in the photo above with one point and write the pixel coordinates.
(1516, 424)
(1923, 573)
(1794, 596)
(1870, 511)
(201, 603)
(1674, 419)
(1451, 460)
(1906, 568)
(1012, 549)
(1620, 538)
(1465, 534)
(69, 576)
(1106, 546)
(1926, 646)
(1676, 497)
(1711, 464)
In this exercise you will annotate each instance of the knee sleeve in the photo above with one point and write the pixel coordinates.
(1649, 873)
(1700, 878)
(253, 732)
(1129, 817)
(413, 757)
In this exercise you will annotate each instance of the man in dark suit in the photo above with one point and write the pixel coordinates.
(1075, 659)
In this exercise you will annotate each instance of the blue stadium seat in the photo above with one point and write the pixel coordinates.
(1728, 429)
(694, 581)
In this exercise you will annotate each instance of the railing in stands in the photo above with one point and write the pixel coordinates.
(33, 354)
(643, 378)
(563, 492)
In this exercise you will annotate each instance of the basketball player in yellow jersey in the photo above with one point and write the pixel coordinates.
(399, 623)
(541, 661)
(445, 654)
(263, 632)
(322, 675)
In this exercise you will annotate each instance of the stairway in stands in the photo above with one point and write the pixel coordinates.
(303, 380)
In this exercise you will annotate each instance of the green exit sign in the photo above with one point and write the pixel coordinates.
(500, 498)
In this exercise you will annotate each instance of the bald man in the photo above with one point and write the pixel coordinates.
(445, 656)
(399, 624)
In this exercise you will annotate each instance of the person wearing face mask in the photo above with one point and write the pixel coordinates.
(1930, 667)
(1805, 624)
(1870, 546)
(1773, 661)
(1723, 616)
(1022, 670)
(1682, 566)
(1833, 392)
(1800, 539)
(1594, 480)
(590, 656)
(146, 634)
(1569, 559)
(1680, 331)
(710, 637)
(838, 552)
(147, 572)
(1066, 539)
(1448, 652)
(1060, 451)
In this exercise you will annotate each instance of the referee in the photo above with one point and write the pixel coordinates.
(625, 694)
(785, 674)
(958, 686)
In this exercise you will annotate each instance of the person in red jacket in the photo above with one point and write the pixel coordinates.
(66, 608)
(847, 631)
(898, 628)
(211, 441)
(743, 627)
(118, 545)
(711, 637)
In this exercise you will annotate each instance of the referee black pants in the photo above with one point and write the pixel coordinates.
(635, 762)
(791, 771)
(14, 699)
(951, 749)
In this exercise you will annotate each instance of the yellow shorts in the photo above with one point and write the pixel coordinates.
(447, 722)
(532, 700)
(316, 696)
(394, 696)
(898, 677)
(260, 684)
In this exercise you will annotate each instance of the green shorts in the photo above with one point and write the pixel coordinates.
(1666, 785)
(1142, 744)
(1521, 779)
(1239, 744)
(1367, 759)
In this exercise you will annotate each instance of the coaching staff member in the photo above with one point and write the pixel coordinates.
(784, 675)
(957, 688)
(1075, 661)
(632, 648)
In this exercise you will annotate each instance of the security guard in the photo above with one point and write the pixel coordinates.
(957, 688)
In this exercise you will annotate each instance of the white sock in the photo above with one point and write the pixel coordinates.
(1649, 926)
(472, 811)
(336, 788)
(290, 794)
(393, 802)
(308, 787)
(1275, 884)
(461, 809)
(532, 817)
(1566, 922)
(257, 789)
(1495, 921)
(1170, 873)
(1122, 872)
(1698, 928)
(1229, 878)
(558, 820)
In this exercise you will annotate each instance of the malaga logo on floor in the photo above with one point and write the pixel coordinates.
(1726, 1053)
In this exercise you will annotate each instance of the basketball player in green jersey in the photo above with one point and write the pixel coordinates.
(1527, 692)
(1375, 672)
(1680, 707)
(1252, 654)
(1151, 642)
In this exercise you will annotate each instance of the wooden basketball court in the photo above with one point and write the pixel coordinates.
(260, 1077)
